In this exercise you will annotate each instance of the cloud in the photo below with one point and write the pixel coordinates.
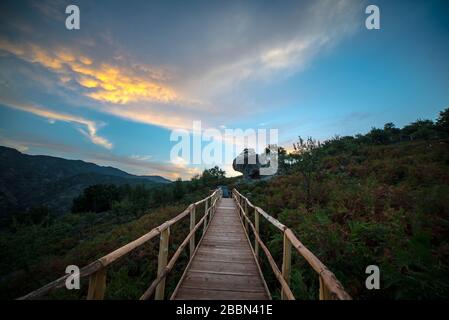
(135, 92)
(214, 74)
(106, 82)
(142, 166)
(181, 166)
(141, 157)
(52, 10)
(90, 127)
(286, 47)
(19, 145)
(204, 83)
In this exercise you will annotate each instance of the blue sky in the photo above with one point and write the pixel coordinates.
(113, 91)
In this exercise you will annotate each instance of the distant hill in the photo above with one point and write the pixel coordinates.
(27, 180)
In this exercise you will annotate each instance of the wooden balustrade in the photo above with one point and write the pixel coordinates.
(330, 287)
(257, 225)
(97, 270)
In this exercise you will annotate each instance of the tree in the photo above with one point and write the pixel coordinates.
(378, 136)
(307, 162)
(392, 132)
(212, 177)
(96, 198)
(195, 182)
(420, 129)
(160, 196)
(178, 189)
(282, 159)
(443, 121)
(36, 215)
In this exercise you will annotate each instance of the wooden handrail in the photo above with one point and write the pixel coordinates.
(172, 262)
(330, 287)
(274, 267)
(97, 269)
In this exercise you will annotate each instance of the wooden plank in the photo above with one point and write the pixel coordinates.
(218, 257)
(225, 252)
(250, 261)
(223, 267)
(242, 273)
(222, 238)
(218, 266)
(202, 294)
(224, 244)
(224, 281)
(223, 233)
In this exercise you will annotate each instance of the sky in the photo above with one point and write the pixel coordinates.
(136, 73)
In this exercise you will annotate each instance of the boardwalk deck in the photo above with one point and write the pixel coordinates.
(223, 266)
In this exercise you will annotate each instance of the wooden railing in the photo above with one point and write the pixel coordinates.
(330, 287)
(97, 270)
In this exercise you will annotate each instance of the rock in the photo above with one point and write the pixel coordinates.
(247, 162)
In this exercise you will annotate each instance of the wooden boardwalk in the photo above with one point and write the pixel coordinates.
(223, 266)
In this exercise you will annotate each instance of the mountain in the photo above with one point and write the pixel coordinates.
(27, 181)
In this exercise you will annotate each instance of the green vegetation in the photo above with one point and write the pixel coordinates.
(36, 247)
(28, 181)
(380, 198)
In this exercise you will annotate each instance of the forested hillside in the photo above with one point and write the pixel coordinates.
(376, 199)
(36, 249)
(31, 182)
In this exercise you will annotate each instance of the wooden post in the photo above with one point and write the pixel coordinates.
(256, 222)
(192, 226)
(162, 262)
(246, 214)
(325, 294)
(206, 207)
(97, 285)
(211, 208)
(286, 262)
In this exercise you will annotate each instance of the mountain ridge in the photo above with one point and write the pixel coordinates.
(33, 180)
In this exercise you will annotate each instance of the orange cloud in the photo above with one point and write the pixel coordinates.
(108, 83)
(117, 87)
(88, 82)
